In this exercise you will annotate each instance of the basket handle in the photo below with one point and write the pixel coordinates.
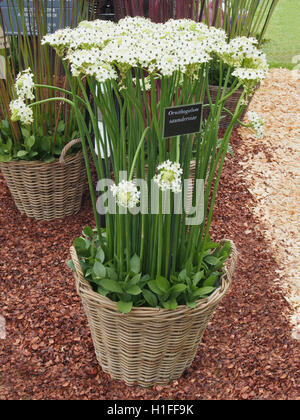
(81, 282)
(66, 149)
(234, 257)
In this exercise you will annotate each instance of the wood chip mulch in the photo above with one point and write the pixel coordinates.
(247, 350)
(276, 161)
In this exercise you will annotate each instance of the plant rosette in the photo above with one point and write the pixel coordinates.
(137, 289)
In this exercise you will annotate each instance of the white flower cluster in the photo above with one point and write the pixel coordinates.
(256, 123)
(102, 48)
(24, 87)
(249, 62)
(169, 176)
(126, 194)
(21, 112)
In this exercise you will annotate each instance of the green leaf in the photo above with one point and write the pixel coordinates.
(71, 265)
(99, 270)
(182, 275)
(49, 159)
(177, 289)
(22, 153)
(210, 259)
(102, 291)
(134, 280)
(100, 256)
(135, 264)
(197, 277)
(88, 231)
(191, 304)
(210, 281)
(170, 304)
(112, 273)
(134, 290)
(124, 307)
(29, 142)
(163, 284)
(110, 285)
(153, 286)
(82, 245)
(203, 291)
(61, 126)
(25, 132)
(150, 298)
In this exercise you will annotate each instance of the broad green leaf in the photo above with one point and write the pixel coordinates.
(134, 280)
(25, 132)
(182, 275)
(210, 259)
(191, 305)
(22, 153)
(177, 289)
(153, 286)
(203, 291)
(98, 269)
(150, 298)
(197, 277)
(29, 142)
(210, 281)
(100, 256)
(71, 265)
(112, 273)
(102, 291)
(134, 290)
(170, 304)
(82, 246)
(135, 264)
(111, 285)
(124, 307)
(88, 231)
(163, 284)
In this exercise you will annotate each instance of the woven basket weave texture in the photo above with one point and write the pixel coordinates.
(230, 104)
(148, 346)
(46, 191)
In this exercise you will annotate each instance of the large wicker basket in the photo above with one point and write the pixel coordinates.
(47, 191)
(148, 346)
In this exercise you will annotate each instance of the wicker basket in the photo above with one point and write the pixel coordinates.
(47, 191)
(230, 104)
(148, 346)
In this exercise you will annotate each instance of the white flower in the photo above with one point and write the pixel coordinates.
(21, 112)
(169, 176)
(126, 194)
(89, 62)
(24, 85)
(257, 123)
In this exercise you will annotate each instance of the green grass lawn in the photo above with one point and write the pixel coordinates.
(283, 34)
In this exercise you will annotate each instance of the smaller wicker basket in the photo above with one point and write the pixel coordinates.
(47, 191)
(147, 346)
(230, 104)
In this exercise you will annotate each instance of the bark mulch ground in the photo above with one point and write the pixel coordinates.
(246, 353)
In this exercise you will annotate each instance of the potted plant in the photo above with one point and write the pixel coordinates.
(33, 139)
(151, 280)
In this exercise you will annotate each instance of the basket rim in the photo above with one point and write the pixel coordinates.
(39, 163)
(88, 292)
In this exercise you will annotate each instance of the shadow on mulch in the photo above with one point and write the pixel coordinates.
(246, 353)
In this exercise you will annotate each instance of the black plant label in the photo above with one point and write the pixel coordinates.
(182, 119)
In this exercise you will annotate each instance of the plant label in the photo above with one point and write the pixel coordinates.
(181, 120)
